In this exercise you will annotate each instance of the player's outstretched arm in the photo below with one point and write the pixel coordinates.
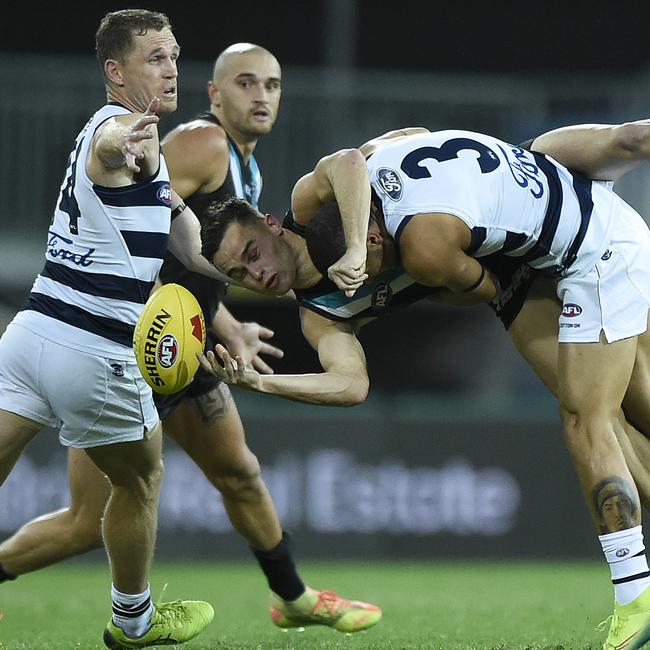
(344, 381)
(599, 151)
(126, 140)
(185, 241)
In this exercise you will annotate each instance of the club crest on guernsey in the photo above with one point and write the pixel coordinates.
(390, 182)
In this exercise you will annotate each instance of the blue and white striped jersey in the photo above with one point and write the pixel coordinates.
(104, 250)
(521, 204)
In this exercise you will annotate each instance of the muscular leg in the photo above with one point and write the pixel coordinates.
(593, 379)
(70, 531)
(130, 521)
(15, 432)
(209, 429)
(534, 333)
(637, 399)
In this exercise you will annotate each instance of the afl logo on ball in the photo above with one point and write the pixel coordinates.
(571, 310)
(390, 182)
(381, 297)
(167, 351)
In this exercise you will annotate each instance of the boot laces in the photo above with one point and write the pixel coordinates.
(168, 613)
(328, 603)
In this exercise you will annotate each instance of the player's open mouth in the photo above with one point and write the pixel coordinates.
(170, 92)
(261, 115)
(272, 282)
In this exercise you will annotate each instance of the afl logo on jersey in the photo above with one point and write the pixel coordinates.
(164, 194)
(167, 351)
(381, 297)
(390, 181)
(571, 310)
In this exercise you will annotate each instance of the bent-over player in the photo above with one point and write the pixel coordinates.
(501, 199)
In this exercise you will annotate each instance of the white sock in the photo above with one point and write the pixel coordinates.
(625, 554)
(132, 612)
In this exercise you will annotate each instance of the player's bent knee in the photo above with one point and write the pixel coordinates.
(145, 482)
(245, 478)
(591, 428)
(87, 535)
(79, 530)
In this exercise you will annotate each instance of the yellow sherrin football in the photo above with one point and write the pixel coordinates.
(168, 335)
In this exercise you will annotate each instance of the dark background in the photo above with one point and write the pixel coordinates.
(504, 37)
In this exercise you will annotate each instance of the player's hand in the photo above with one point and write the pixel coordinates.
(349, 273)
(137, 133)
(231, 371)
(249, 343)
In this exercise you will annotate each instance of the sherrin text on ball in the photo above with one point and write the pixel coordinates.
(168, 335)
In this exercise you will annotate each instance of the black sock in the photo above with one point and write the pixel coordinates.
(5, 576)
(280, 570)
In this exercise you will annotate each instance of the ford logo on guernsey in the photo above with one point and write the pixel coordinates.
(571, 310)
(164, 194)
(390, 182)
(167, 351)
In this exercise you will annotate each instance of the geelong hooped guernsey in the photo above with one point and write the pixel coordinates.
(517, 203)
(104, 250)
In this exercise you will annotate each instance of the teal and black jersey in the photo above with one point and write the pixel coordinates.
(389, 291)
(395, 289)
(243, 181)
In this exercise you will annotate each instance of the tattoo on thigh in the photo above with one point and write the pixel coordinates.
(212, 405)
(615, 504)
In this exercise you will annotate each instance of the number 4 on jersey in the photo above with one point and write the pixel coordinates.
(68, 202)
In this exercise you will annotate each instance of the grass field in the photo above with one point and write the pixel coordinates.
(509, 606)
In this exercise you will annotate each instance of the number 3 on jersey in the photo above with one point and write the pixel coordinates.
(487, 160)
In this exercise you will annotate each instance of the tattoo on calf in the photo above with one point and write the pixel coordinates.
(213, 404)
(616, 505)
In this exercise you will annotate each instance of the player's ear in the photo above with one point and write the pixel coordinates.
(374, 239)
(113, 72)
(214, 94)
(273, 223)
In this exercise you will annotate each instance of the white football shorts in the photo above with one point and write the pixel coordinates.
(94, 400)
(614, 296)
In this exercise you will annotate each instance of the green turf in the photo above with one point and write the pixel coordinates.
(509, 606)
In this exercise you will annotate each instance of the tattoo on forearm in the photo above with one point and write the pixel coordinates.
(616, 505)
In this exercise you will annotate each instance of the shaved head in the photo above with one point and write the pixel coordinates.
(245, 91)
(231, 52)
